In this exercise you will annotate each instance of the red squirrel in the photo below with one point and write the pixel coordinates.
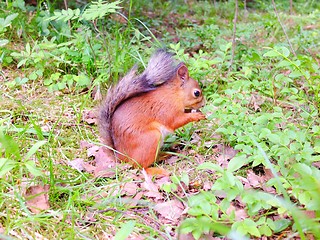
(141, 110)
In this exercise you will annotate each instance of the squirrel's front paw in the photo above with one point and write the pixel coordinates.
(199, 116)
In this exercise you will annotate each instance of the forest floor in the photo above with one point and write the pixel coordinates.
(251, 170)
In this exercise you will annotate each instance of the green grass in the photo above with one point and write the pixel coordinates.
(263, 122)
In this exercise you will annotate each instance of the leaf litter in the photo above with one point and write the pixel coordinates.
(145, 195)
(37, 198)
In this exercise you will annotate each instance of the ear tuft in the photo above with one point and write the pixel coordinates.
(183, 72)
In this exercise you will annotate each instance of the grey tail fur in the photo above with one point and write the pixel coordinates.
(161, 68)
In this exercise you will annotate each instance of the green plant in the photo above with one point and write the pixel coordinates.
(4, 24)
(14, 160)
(275, 148)
(264, 109)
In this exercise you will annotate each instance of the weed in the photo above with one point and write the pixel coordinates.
(265, 110)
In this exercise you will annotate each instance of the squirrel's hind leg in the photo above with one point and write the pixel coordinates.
(146, 149)
(142, 150)
(146, 152)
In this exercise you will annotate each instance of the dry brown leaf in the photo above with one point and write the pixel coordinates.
(161, 181)
(245, 182)
(256, 101)
(89, 167)
(134, 201)
(105, 164)
(88, 219)
(102, 166)
(239, 213)
(311, 27)
(152, 189)
(226, 154)
(316, 164)
(211, 144)
(37, 198)
(90, 117)
(199, 159)
(130, 188)
(207, 185)
(91, 152)
(260, 181)
(187, 236)
(196, 139)
(268, 174)
(171, 210)
(138, 237)
(172, 160)
(254, 180)
(105, 173)
(96, 94)
(77, 164)
(103, 159)
(85, 144)
(310, 213)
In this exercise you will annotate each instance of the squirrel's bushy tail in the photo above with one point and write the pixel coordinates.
(161, 68)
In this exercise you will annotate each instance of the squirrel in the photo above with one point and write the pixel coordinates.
(141, 110)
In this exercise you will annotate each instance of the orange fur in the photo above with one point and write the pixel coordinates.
(140, 123)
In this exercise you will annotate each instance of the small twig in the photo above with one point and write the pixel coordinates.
(245, 8)
(135, 214)
(234, 35)
(283, 29)
(111, 210)
(66, 7)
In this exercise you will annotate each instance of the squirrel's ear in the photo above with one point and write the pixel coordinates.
(183, 72)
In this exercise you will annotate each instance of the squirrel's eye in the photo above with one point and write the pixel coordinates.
(197, 93)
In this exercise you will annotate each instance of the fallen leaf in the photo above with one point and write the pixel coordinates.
(268, 174)
(207, 185)
(87, 219)
(171, 210)
(130, 188)
(310, 213)
(161, 181)
(88, 167)
(37, 198)
(77, 164)
(90, 117)
(316, 164)
(96, 93)
(152, 189)
(138, 237)
(105, 164)
(196, 139)
(105, 173)
(245, 182)
(239, 213)
(185, 236)
(91, 152)
(104, 158)
(311, 27)
(85, 144)
(257, 181)
(172, 160)
(135, 200)
(226, 153)
(255, 102)
(254, 180)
